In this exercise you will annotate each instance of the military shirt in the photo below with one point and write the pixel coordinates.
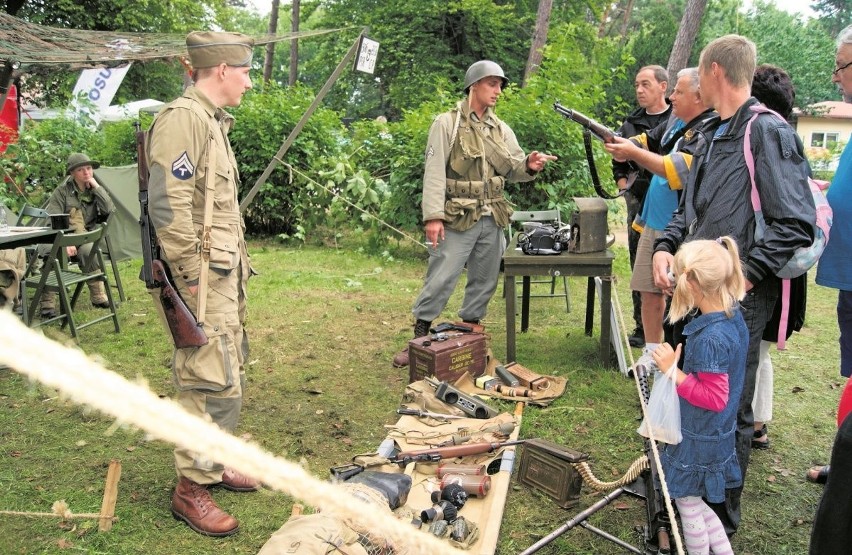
(438, 155)
(94, 205)
(178, 154)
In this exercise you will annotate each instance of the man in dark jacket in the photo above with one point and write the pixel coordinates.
(650, 84)
(717, 202)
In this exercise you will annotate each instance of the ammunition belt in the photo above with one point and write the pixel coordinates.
(482, 190)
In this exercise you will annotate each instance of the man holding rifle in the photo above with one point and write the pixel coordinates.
(193, 207)
(667, 152)
(650, 84)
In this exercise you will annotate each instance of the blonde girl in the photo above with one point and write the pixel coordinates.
(708, 279)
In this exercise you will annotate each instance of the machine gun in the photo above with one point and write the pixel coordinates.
(185, 329)
(600, 131)
(436, 454)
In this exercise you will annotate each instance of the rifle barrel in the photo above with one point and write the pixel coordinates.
(453, 451)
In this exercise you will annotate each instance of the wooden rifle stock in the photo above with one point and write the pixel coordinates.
(185, 330)
(452, 451)
(600, 131)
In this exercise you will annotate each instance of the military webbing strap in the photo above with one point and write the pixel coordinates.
(206, 229)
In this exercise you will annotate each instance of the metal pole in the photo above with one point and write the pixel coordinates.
(581, 516)
(298, 128)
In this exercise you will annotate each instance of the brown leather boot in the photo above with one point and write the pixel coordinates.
(193, 504)
(234, 481)
(421, 328)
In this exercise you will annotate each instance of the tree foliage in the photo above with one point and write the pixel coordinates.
(809, 62)
(834, 15)
(421, 43)
(425, 49)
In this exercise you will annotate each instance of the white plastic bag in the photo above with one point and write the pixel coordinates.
(663, 410)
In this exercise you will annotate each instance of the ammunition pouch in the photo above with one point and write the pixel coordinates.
(465, 200)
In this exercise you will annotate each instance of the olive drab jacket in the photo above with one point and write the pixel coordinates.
(178, 153)
(85, 209)
(468, 162)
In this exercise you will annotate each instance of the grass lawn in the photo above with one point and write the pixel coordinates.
(324, 324)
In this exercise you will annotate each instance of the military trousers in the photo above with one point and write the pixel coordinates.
(210, 379)
(87, 260)
(480, 248)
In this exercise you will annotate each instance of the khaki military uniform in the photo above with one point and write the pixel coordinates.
(468, 162)
(13, 263)
(209, 379)
(85, 209)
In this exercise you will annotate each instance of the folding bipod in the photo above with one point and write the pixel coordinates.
(655, 533)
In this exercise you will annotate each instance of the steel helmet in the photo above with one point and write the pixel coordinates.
(480, 70)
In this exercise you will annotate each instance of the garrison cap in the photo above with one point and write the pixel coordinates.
(79, 159)
(211, 48)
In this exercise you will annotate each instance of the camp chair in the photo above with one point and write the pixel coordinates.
(56, 276)
(549, 216)
(109, 254)
(31, 216)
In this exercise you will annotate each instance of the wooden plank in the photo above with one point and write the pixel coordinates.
(110, 496)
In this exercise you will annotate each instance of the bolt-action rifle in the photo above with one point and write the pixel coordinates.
(600, 131)
(436, 454)
(185, 329)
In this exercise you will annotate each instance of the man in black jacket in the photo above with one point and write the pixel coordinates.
(650, 84)
(717, 202)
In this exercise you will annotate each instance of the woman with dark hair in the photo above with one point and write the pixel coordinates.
(773, 87)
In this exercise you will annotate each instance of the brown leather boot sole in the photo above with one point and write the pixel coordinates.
(195, 528)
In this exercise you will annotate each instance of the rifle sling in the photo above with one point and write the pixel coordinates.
(590, 158)
(209, 195)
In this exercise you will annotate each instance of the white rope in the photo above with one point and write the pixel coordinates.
(88, 383)
(652, 440)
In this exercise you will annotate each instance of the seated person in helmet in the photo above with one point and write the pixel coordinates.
(87, 204)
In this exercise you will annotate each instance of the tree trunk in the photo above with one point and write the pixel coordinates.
(542, 25)
(626, 19)
(294, 45)
(12, 6)
(686, 34)
(604, 18)
(270, 48)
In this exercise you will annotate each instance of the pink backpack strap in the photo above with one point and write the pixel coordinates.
(784, 299)
(749, 157)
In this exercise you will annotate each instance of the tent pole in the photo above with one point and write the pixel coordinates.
(298, 128)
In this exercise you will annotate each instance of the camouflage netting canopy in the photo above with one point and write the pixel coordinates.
(28, 44)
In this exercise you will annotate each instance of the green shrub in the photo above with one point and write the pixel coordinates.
(35, 164)
(288, 203)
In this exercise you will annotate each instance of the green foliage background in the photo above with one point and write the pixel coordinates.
(425, 48)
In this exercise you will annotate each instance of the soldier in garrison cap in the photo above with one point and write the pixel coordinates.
(470, 155)
(87, 203)
(193, 173)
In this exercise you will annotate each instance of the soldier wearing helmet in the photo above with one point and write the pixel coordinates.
(470, 155)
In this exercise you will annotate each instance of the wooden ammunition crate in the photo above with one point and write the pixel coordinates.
(527, 377)
(447, 360)
(547, 467)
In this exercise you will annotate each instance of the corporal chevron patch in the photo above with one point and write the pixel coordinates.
(182, 168)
